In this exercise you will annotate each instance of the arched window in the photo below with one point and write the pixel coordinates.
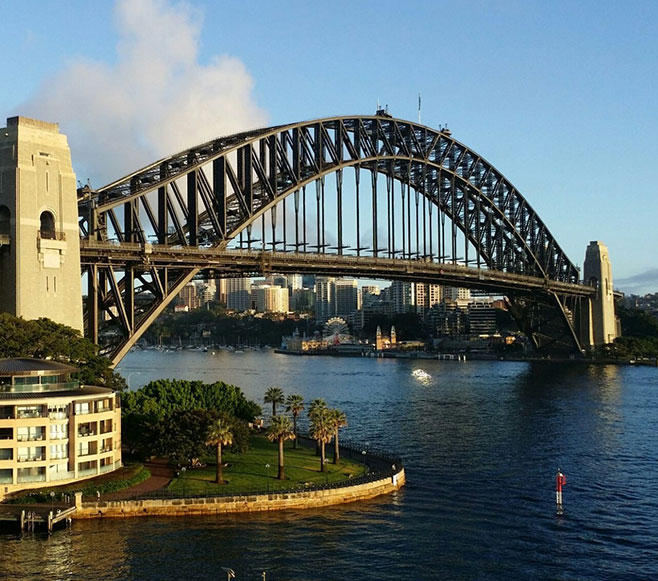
(47, 229)
(5, 216)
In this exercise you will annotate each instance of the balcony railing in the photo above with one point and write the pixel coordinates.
(23, 415)
(58, 415)
(39, 387)
(36, 478)
(31, 458)
(83, 454)
(61, 476)
(31, 438)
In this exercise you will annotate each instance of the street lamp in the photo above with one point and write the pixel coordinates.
(230, 573)
(268, 476)
(52, 500)
(183, 470)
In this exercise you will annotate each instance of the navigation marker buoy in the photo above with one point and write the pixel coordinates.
(560, 481)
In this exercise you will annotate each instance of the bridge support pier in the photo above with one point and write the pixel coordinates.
(39, 233)
(597, 322)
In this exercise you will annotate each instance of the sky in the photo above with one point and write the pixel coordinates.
(561, 97)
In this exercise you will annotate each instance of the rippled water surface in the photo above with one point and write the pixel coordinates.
(481, 443)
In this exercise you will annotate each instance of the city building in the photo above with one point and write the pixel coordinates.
(401, 296)
(454, 293)
(346, 297)
(481, 316)
(52, 429)
(238, 294)
(426, 296)
(369, 294)
(324, 298)
(266, 298)
(188, 298)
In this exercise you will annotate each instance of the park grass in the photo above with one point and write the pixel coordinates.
(247, 472)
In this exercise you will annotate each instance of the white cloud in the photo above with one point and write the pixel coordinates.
(156, 100)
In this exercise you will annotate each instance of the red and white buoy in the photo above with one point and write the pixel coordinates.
(560, 481)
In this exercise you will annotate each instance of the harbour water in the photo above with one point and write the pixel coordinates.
(481, 442)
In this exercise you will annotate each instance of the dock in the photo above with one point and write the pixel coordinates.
(30, 517)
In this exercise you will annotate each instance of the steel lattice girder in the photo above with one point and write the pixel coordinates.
(254, 170)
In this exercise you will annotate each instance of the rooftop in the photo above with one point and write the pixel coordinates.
(77, 392)
(30, 366)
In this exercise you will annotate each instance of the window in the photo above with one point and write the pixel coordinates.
(5, 218)
(47, 228)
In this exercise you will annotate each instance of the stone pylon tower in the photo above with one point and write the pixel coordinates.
(602, 327)
(39, 236)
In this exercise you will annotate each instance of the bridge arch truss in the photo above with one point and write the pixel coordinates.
(387, 195)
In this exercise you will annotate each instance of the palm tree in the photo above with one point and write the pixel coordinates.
(338, 420)
(316, 407)
(274, 395)
(220, 433)
(280, 430)
(322, 430)
(294, 405)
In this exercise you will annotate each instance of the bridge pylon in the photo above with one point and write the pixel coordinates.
(598, 324)
(39, 232)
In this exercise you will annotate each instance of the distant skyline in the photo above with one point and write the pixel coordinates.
(561, 97)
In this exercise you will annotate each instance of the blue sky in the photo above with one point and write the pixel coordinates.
(560, 96)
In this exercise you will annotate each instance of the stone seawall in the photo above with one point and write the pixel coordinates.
(239, 503)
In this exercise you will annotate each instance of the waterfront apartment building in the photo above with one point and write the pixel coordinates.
(52, 429)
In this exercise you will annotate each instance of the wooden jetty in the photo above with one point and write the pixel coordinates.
(30, 517)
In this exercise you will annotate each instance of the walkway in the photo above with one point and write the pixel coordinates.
(161, 475)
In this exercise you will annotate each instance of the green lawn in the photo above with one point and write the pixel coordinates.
(248, 472)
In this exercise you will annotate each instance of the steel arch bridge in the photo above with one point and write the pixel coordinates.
(364, 196)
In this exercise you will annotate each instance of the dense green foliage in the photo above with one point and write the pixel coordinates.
(172, 418)
(164, 396)
(639, 335)
(45, 339)
(220, 328)
(637, 323)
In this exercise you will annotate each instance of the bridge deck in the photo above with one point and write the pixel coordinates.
(232, 263)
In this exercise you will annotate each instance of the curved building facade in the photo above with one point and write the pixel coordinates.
(52, 429)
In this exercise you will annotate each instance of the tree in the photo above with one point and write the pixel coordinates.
(148, 413)
(280, 430)
(220, 433)
(274, 395)
(180, 437)
(322, 431)
(316, 407)
(295, 405)
(338, 420)
(45, 339)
